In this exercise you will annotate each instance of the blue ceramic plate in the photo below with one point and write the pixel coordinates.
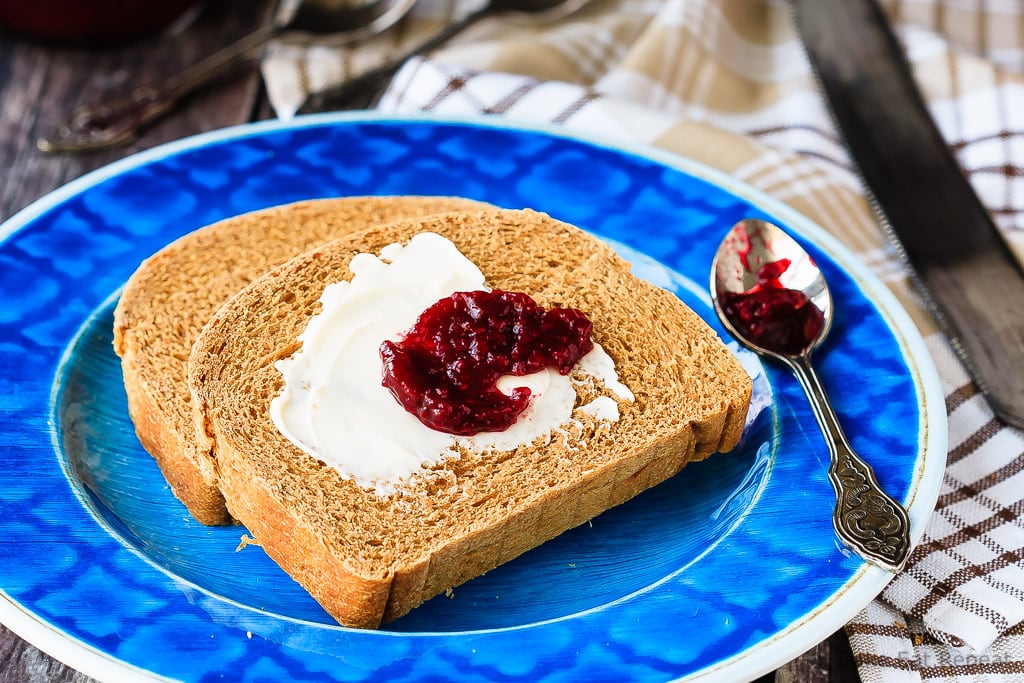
(723, 572)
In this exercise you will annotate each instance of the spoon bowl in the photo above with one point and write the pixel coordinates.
(336, 22)
(769, 292)
(773, 298)
(534, 11)
(361, 90)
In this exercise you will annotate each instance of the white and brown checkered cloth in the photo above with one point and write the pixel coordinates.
(726, 82)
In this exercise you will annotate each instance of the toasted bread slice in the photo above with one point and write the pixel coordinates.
(169, 298)
(369, 558)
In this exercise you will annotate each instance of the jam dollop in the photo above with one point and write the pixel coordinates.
(444, 370)
(771, 315)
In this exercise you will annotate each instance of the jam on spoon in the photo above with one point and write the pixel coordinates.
(771, 296)
(774, 316)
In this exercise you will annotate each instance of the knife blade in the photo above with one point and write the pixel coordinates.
(969, 276)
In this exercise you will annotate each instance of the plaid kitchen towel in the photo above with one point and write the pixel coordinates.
(726, 82)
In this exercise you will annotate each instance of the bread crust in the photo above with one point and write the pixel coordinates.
(352, 599)
(369, 559)
(172, 294)
(204, 501)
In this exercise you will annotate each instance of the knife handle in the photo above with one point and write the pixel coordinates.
(967, 274)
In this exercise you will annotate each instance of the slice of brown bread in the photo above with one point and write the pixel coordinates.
(368, 558)
(169, 298)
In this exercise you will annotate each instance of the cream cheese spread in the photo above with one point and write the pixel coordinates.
(334, 407)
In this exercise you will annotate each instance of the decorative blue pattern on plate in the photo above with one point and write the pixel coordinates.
(725, 571)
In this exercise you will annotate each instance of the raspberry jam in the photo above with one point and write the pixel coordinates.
(771, 315)
(444, 370)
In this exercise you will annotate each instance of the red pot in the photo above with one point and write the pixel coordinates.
(90, 21)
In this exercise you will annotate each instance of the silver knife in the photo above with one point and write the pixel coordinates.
(970, 277)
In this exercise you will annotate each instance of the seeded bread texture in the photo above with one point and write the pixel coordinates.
(369, 559)
(173, 293)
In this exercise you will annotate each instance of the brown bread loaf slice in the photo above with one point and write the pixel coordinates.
(170, 297)
(369, 559)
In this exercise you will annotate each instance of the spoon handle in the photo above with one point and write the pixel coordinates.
(361, 90)
(119, 121)
(866, 518)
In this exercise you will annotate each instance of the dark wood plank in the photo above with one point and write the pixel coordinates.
(21, 662)
(40, 84)
(830, 661)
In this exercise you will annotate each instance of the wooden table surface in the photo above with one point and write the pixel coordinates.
(41, 83)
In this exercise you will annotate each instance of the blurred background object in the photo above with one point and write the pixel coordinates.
(92, 21)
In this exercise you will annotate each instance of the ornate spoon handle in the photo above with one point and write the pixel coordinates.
(866, 518)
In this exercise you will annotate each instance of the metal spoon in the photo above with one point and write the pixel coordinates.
(771, 296)
(361, 90)
(119, 121)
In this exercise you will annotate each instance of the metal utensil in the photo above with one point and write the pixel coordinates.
(119, 121)
(361, 90)
(968, 274)
(771, 296)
